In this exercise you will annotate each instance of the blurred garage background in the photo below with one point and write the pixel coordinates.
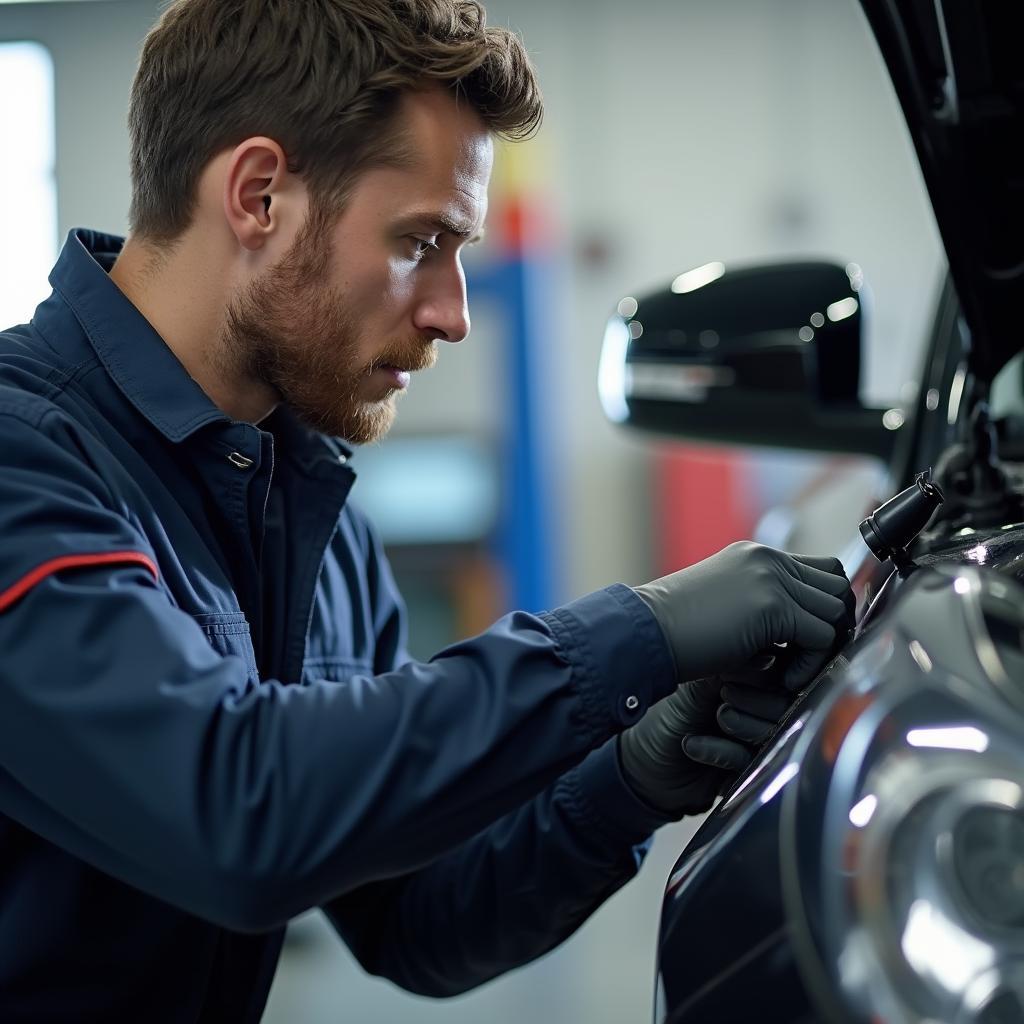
(677, 132)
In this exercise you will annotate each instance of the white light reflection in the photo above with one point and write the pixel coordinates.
(920, 655)
(636, 329)
(611, 384)
(959, 737)
(817, 320)
(978, 554)
(856, 276)
(860, 812)
(842, 309)
(956, 393)
(756, 774)
(893, 419)
(627, 307)
(962, 585)
(777, 784)
(806, 333)
(938, 949)
(697, 278)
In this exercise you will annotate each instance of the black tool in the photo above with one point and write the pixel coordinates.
(889, 530)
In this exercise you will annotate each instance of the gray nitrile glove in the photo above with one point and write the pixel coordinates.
(689, 748)
(721, 612)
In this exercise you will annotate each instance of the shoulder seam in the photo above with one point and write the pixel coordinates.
(27, 409)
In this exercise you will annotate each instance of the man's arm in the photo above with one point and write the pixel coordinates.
(126, 740)
(529, 881)
(511, 893)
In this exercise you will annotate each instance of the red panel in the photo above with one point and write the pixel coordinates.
(701, 505)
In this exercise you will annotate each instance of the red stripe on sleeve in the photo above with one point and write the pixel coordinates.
(13, 594)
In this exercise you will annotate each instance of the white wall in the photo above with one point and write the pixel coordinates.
(678, 131)
(95, 49)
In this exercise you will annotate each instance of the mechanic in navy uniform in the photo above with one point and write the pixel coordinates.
(208, 721)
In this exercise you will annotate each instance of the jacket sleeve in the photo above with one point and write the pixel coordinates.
(128, 741)
(511, 893)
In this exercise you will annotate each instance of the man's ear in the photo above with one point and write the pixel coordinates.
(253, 183)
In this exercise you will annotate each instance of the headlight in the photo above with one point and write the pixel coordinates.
(905, 873)
(935, 884)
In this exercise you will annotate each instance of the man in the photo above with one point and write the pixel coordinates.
(208, 723)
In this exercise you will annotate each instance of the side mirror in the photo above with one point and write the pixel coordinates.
(766, 356)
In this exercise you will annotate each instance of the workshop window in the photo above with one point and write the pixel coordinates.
(28, 238)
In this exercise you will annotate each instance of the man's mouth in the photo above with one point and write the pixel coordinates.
(399, 377)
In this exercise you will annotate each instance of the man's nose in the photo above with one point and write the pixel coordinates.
(443, 310)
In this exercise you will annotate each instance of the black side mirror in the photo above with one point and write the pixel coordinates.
(766, 355)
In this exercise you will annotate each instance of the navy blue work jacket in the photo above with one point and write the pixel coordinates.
(208, 723)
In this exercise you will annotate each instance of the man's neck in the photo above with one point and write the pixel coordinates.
(185, 298)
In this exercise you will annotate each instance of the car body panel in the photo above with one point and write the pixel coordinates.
(760, 886)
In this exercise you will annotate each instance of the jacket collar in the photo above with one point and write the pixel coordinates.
(136, 357)
(138, 360)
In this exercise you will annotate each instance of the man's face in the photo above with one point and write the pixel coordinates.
(357, 304)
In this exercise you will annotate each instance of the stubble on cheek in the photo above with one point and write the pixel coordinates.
(293, 332)
(298, 339)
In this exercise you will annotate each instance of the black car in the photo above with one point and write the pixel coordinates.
(869, 867)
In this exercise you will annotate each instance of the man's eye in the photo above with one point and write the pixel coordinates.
(423, 246)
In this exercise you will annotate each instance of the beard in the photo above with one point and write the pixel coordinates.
(294, 333)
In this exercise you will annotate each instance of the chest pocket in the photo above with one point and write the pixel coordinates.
(228, 633)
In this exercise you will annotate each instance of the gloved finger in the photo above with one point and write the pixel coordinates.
(770, 705)
(757, 670)
(804, 667)
(827, 574)
(830, 565)
(817, 602)
(807, 631)
(716, 752)
(815, 641)
(691, 706)
(742, 726)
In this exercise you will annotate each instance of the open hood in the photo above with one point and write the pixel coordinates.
(958, 70)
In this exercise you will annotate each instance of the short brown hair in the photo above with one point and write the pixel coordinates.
(320, 77)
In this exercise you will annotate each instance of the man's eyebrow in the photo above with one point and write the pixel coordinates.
(441, 222)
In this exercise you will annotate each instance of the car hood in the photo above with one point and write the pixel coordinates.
(999, 548)
(957, 71)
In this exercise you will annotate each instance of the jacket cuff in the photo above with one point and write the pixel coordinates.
(606, 803)
(618, 653)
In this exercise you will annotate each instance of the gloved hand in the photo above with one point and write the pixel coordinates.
(718, 614)
(689, 748)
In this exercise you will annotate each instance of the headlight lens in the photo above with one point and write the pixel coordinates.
(903, 847)
(934, 886)
(988, 864)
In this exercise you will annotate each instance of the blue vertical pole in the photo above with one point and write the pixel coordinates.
(524, 539)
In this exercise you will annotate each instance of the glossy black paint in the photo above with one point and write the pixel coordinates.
(749, 925)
